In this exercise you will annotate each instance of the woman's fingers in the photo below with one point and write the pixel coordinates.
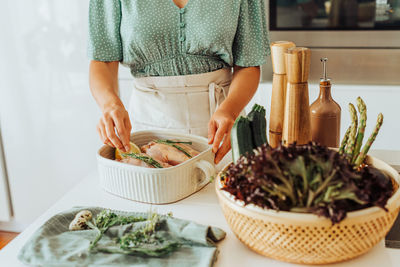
(212, 127)
(123, 133)
(225, 147)
(114, 128)
(128, 128)
(219, 135)
(109, 125)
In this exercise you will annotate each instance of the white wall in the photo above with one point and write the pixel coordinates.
(47, 114)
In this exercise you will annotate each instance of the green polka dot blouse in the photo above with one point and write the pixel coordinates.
(157, 38)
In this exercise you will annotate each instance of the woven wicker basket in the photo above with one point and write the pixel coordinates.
(307, 238)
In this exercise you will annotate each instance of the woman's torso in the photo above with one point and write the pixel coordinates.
(157, 38)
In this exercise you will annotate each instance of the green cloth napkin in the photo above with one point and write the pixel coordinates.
(54, 245)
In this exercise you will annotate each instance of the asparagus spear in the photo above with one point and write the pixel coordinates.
(361, 157)
(344, 140)
(353, 132)
(362, 109)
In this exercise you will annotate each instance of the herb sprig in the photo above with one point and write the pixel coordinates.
(146, 159)
(105, 220)
(174, 144)
(143, 241)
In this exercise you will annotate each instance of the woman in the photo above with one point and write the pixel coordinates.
(181, 54)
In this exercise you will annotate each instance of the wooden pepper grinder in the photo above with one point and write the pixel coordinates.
(296, 124)
(279, 82)
(325, 114)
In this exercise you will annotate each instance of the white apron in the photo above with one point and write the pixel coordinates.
(179, 103)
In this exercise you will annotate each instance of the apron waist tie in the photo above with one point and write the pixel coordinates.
(214, 93)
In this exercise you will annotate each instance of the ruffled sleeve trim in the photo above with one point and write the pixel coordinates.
(104, 42)
(251, 43)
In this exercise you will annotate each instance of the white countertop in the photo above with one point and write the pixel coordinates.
(201, 207)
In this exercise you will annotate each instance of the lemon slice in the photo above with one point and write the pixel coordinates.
(133, 149)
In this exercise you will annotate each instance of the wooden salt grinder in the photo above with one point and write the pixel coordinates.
(296, 123)
(279, 83)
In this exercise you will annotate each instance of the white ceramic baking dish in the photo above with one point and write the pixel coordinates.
(152, 185)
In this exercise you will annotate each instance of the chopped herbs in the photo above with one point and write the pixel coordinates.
(105, 220)
(141, 241)
(136, 241)
(174, 144)
(146, 159)
(308, 178)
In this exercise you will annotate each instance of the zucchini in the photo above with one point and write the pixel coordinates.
(258, 125)
(241, 140)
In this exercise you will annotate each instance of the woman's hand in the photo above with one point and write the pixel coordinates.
(243, 86)
(114, 127)
(219, 130)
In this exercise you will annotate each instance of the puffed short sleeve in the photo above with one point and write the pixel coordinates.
(251, 43)
(104, 42)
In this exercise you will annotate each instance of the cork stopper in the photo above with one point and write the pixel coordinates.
(278, 50)
(298, 64)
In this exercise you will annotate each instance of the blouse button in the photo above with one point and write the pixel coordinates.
(182, 24)
(182, 10)
(182, 38)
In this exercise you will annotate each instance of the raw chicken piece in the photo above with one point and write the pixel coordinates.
(168, 153)
(141, 163)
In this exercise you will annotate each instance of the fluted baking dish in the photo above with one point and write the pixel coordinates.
(153, 185)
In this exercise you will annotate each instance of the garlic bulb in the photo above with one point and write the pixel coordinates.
(80, 220)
